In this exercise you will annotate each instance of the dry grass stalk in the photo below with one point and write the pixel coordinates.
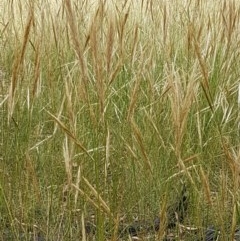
(67, 154)
(98, 196)
(233, 160)
(70, 105)
(84, 237)
(130, 149)
(206, 186)
(70, 134)
(203, 66)
(181, 172)
(139, 138)
(88, 198)
(115, 71)
(17, 65)
(83, 88)
(199, 130)
(75, 37)
(181, 100)
(230, 17)
(107, 155)
(110, 42)
(183, 167)
(134, 46)
(101, 40)
(133, 98)
(98, 64)
(37, 83)
(78, 179)
(99, 203)
(182, 95)
(136, 88)
(151, 121)
(120, 28)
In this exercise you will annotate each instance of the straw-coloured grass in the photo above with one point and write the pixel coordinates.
(109, 108)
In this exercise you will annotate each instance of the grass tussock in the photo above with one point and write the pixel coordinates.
(109, 109)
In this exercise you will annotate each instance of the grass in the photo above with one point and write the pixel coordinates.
(107, 109)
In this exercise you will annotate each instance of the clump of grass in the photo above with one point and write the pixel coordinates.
(108, 108)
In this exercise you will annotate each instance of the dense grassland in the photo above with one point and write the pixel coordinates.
(107, 109)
